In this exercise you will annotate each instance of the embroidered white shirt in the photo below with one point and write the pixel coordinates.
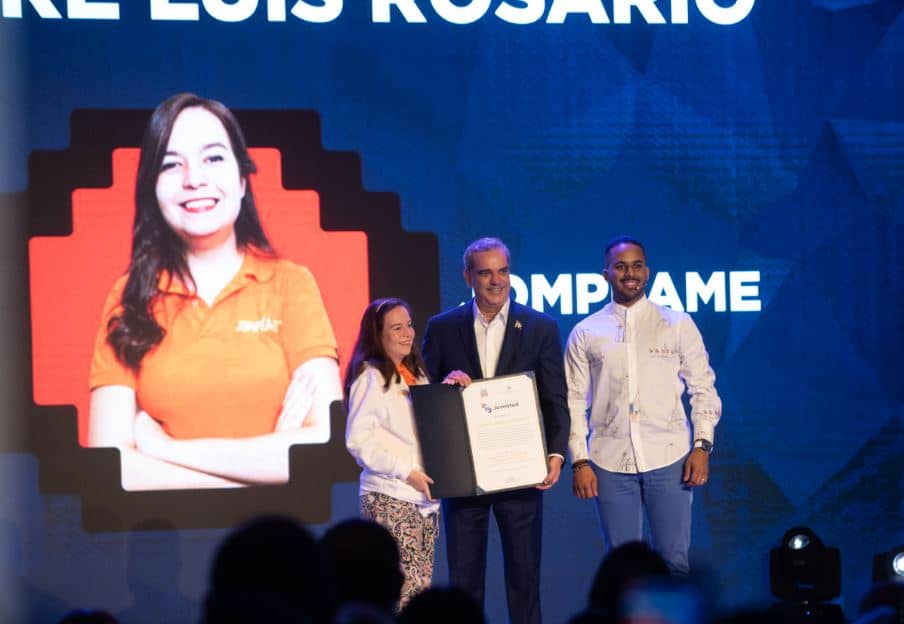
(627, 369)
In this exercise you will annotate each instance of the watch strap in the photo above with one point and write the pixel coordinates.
(706, 445)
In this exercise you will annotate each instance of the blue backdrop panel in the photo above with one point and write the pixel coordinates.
(770, 150)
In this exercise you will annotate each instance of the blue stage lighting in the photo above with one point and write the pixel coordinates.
(889, 565)
(803, 569)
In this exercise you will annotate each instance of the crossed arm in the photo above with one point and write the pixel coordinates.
(151, 459)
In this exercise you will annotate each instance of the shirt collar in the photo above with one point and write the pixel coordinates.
(255, 266)
(502, 315)
(622, 311)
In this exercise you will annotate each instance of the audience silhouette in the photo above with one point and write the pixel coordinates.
(363, 565)
(272, 570)
(88, 616)
(441, 605)
(269, 570)
(628, 564)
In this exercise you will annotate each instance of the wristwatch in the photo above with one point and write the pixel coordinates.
(706, 445)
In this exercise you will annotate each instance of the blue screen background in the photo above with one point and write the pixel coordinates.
(773, 145)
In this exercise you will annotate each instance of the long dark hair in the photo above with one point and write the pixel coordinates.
(156, 250)
(369, 346)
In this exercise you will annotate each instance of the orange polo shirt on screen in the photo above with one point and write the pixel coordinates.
(223, 370)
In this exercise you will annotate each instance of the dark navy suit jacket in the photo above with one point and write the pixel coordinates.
(531, 343)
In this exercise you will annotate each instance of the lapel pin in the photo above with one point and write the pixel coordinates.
(517, 324)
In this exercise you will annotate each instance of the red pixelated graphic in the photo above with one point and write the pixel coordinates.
(72, 275)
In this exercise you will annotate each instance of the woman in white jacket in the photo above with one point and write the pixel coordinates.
(381, 436)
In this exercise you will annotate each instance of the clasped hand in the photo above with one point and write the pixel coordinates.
(316, 377)
(420, 481)
(150, 437)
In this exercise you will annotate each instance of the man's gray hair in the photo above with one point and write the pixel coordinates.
(487, 243)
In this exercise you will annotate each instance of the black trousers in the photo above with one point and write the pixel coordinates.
(519, 514)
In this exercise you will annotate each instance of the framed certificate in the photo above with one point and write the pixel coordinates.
(485, 438)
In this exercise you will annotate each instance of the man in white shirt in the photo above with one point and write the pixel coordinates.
(489, 337)
(632, 445)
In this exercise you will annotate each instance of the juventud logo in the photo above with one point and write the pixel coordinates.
(80, 203)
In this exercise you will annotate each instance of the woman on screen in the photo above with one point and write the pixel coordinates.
(395, 490)
(213, 354)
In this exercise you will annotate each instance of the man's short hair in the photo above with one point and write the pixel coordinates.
(487, 243)
(621, 240)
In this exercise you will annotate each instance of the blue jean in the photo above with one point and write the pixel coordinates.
(621, 503)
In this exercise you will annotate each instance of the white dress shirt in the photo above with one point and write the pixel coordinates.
(489, 336)
(380, 435)
(630, 367)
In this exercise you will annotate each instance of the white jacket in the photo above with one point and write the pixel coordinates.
(381, 436)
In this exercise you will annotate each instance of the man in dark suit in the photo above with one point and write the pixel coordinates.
(492, 336)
